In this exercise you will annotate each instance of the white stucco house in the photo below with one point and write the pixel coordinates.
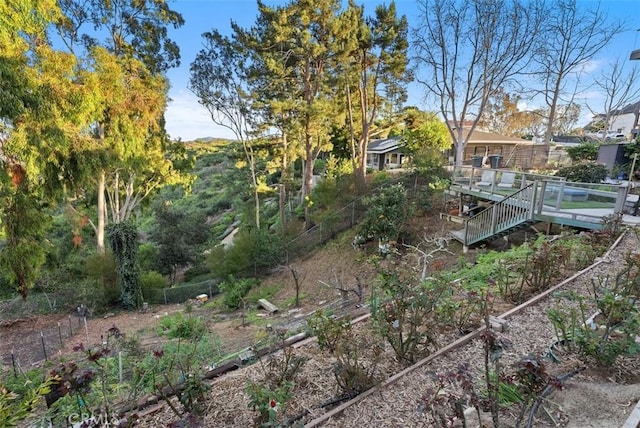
(625, 121)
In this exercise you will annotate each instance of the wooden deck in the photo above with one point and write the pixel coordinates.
(515, 198)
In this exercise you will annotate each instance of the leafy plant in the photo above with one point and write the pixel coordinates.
(270, 395)
(328, 329)
(544, 264)
(235, 291)
(583, 152)
(617, 324)
(406, 314)
(356, 367)
(583, 172)
(179, 326)
(386, 214)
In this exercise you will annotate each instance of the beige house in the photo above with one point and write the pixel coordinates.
(513, 152)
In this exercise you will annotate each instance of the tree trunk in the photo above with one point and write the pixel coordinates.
(307, 186)
(101, 213)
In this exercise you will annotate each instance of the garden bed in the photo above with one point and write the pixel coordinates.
(400, 400)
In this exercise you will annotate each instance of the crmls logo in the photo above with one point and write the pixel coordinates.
(87, 421)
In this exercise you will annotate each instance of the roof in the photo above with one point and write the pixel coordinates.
(384, 145)
(482, 137)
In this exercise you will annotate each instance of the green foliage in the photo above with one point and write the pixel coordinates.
(544, 264)
(583, 152)
(269, 395)
(180, 326)
(425, 139)
(251, 251)
(583, 172)
(406, 314)
(152, 283)
(328, 329)
(147, 256)
(357, 363)
(263, 292)
(236, 290)
(178, 236)
(124, 244)
(386, 214)
(613, 331)
(24, 222)
(101, 270)
(16, 407)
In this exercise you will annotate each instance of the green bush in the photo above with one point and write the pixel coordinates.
(101, 270)
(583, 152)
(583, 172)
(386, 214)
(251, 251)
(235, 291)
(179, 326)
(147, 256)
(152, 283)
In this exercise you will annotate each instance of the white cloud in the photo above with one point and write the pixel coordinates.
(189, 120)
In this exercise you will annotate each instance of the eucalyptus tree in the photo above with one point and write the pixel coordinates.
(375, 72)
(129, 40)
(125, 44)
(573, 35)
(42, 107)
(465, 50)
(219, 78)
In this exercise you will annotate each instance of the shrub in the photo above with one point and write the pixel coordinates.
(152, 284)
(386, 214)
(101, 270)
(235, 291)
(179, 326)
(251, 250)
(270, 395)
(583, 172)
(329, 330)
(583, 152)
(407, 315)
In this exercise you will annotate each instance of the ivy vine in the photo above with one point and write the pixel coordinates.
(123, 238)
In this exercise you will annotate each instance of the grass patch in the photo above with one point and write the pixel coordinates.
(263, 292)
(567, 205)
(292, 301)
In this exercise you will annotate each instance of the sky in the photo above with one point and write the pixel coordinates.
(187, 120)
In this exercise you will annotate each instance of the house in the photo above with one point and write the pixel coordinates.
(624, 122)
(385, 153)
(514, 152)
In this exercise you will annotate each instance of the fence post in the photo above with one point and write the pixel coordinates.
(164, 293)
(353, 213)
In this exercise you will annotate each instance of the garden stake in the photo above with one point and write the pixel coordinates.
(86, 329)
(60, 334)
(70, 329)
(13, 363)
(120, 366)
(44, 348)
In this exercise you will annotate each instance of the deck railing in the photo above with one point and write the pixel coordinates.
(506, 214)
(520, 196)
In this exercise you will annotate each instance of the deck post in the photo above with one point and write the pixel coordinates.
(621, 199)
(494, 218)
(559, 197)
(539, 196)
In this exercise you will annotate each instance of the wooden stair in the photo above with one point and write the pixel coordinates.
(501, 218)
